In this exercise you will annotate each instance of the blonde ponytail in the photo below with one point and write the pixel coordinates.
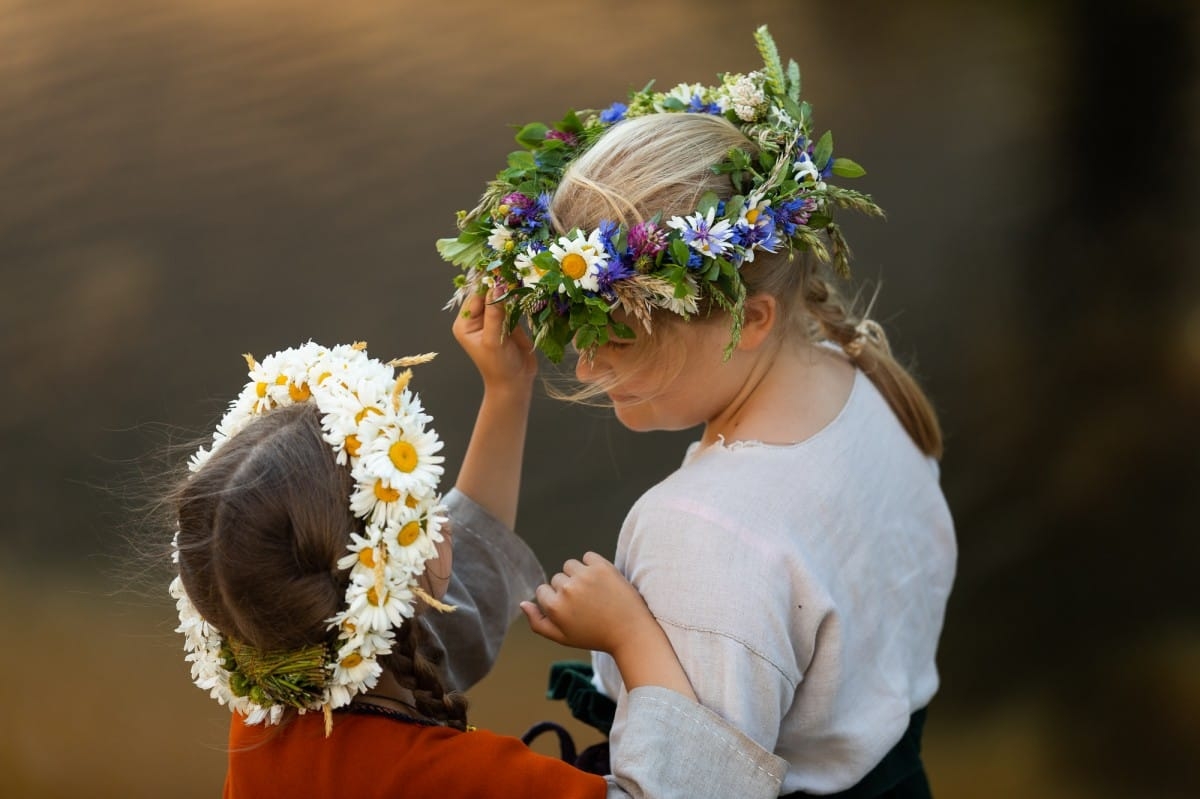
(866, 344)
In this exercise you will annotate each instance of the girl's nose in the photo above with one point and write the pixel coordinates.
(587, 366)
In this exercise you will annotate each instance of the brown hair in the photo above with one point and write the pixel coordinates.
(663, 163)
(261, 527)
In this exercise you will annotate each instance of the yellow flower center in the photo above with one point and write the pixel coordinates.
(385, 494)
(410, 501)
(752, 215)
(403, 456)
(502, 209)
(408, 533)
(323, 377)
(574, 266)
(351, 660)
(299, 392)
(358, 417)
(260, 389)
(374, 598)
(281, 380)
(352, 445)
(367, 557)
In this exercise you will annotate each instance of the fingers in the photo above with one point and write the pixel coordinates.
(594, 559)
(493, 317)
(540, 623)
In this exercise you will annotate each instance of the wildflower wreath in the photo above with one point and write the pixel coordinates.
(568, 284)
(377, 427)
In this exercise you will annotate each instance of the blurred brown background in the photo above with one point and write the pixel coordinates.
(183, 181)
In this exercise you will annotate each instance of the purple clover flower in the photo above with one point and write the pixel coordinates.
(646, 239)
(570, 139)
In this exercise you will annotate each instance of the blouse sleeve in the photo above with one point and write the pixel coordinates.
(735, 617)
(493, 570)
(674, 747)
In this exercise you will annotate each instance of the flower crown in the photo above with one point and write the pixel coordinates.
(377, 427)
(567, 286)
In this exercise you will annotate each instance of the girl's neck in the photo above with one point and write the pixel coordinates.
(789, 394)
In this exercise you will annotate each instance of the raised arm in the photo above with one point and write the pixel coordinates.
(491, 468)
(493, 569)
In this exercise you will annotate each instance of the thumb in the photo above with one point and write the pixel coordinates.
(540, 623)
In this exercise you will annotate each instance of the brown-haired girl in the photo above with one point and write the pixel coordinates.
(317, 600)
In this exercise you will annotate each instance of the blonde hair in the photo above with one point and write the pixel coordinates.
(663, 163)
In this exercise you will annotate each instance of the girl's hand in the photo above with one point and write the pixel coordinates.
(589, 605)
(503, 359)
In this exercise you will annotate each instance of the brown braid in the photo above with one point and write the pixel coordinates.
(418, 673)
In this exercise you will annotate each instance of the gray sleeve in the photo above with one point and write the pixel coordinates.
(674, 747)
(493, 570)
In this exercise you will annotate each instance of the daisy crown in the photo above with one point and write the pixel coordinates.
(378, 430)
(568, 284)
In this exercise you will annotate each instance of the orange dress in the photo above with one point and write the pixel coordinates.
(371, 755)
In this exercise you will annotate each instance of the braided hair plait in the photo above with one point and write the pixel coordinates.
(418, 673)
(865, 343)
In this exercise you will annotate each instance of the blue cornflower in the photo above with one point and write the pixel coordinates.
(533, 216)
(614, 113)
(617, 269)
(608, 232)
(756, 231)
(701, 234)
(698, 106)
(695, 260)
(792, 213)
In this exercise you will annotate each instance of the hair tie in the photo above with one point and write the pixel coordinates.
(868, 330)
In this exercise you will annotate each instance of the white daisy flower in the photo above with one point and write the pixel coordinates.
(581, 258)
(501, 238)
(530, 273)
(805, 168)
(405, 460)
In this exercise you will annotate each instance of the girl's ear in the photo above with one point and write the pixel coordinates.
(761, 313)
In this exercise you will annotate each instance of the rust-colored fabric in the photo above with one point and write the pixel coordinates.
(369, 757)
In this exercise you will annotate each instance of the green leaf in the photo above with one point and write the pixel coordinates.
(805, 113)
(532, 135)
(673, 104)
(845, 168)
(570, 123)
(459, 252)
(550, 345)
(708, 202)
(521, 159)
(714, 271)
(733, 208)
(680, 252)
(823, 150)
(621, 330)
(586, 337)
